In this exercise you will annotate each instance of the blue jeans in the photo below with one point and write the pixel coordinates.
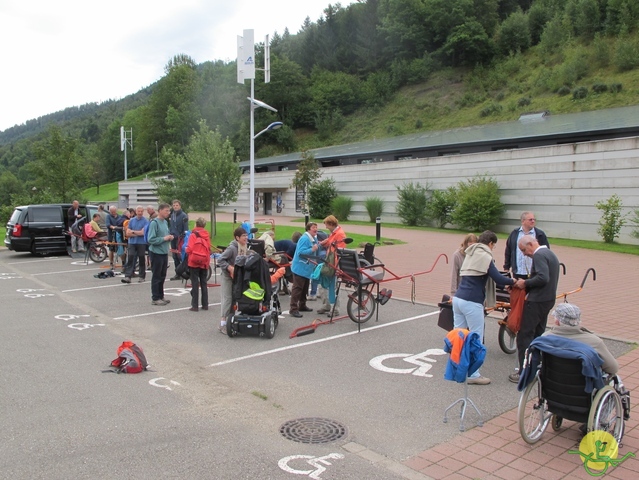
(469, 315)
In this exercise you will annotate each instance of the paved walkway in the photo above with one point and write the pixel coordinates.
(496, 450)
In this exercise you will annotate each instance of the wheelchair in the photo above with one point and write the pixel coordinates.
(557, 392)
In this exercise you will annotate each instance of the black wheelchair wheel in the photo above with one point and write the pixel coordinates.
(209, 273)
(533, 414)
(606, 413)
(507, 340)
(555, 422)
(361, 311)
(230, 331)
(269, 325)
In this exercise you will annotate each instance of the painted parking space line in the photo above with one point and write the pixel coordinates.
(101, 286)
(48, 259)
(159, 312)
(321, 340)
(65, 271)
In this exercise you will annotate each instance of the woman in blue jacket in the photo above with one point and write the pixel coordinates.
(302, 270)
(468, 302)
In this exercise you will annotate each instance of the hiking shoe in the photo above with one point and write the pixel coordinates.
(193, 309)
(306, 309)
(205, 307)
(159, 302)
(222, 329)
(296, 314)
(514, 377)
(175, 277)
(141, 280)
(478, 381)
(335, 313)
(311, 298)
(323, 310)
(166, 301)
(126, 280)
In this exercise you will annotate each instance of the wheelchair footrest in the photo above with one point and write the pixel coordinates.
(384, 296)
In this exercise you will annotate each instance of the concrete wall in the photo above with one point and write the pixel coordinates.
(560, 183)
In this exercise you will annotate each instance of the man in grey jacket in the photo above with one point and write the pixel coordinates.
(541, 290)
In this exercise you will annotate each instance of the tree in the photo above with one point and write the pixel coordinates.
(612, 219)
(9, 185)
(514, 34)
(479, 204)
(59, 168)
(207, 174)
(307, 173)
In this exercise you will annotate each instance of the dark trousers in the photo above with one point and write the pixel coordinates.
(198, 280)
(137, 251)
(533, 325)
(177, 258)
(298, 293)
(159, 266)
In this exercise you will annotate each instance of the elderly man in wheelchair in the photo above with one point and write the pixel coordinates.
(570, 373)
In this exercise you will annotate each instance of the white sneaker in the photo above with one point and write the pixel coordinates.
(311, 298)
(478, 381)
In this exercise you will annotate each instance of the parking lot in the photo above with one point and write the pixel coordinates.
(211, 406)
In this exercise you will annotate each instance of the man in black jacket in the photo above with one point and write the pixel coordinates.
(541, 290)
(513, 258)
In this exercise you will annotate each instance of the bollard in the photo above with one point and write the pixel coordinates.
(307, 218)
(234, 216)
(378, 229)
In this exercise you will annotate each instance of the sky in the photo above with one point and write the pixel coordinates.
(64, 53)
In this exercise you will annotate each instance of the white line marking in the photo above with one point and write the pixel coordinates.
(97, 288)
(50, 259)
(290, 347)
(64, 271)
(159, 312)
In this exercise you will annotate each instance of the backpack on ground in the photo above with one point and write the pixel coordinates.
(200, 255)
(130, 359)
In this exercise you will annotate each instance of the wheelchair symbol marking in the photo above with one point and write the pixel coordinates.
(85, 326)
(177, 292)
(9, 276)
(155, 383)
(318, 464)
(422, 361)
(69, 316)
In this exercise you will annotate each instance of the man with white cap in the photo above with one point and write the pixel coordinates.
(568, 325)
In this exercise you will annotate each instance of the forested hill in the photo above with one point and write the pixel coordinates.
(375, 68)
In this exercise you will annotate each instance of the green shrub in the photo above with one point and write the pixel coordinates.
(320, 196)
(579, 93)
(341, 207)
(611, 219)
(563, 91)
(441, 206)
(616, 87)
(412, 202)
(626, 56)
(600, 88)
(523, 102)
(374, 207)
(479, 205)
(635, 221)
(419, 124)
(491, 109)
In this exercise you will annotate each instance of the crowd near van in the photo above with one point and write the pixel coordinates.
(42, 229)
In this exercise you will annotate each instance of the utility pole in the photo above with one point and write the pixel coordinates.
(126, 137)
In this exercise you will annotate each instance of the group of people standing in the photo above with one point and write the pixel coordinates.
(530, 265)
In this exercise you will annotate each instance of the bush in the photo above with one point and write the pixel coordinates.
(563, 91)
(441, 206)
(600, 88)
(635, 221)
(320, 196)
(411, 206)
(626, 56)
(490, 110)
(579, 93)
(523, 102)
(374, 207)
(341, 207)
(616, 87)
(479, 204)
(611, 219)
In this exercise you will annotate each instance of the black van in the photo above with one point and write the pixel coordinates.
(42, 229)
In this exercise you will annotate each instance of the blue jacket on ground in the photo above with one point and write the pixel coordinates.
(563, 348)
(471, 357)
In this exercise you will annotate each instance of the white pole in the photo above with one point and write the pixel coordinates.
(125, 166)
(252, 159)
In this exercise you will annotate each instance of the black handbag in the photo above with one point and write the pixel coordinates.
(446, 320)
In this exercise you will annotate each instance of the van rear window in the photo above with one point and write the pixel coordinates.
(15, 216)
(45, 214)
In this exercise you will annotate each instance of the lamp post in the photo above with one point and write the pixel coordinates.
(157, 157)
(273, 126)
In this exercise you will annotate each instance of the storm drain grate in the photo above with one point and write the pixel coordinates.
(313, 430)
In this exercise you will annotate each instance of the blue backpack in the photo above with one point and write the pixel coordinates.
(146, 231)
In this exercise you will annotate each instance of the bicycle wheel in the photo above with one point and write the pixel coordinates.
(209, 273)
(533, 414)
(97, 253)
(360, 311)
(507, 340)
(606, 413)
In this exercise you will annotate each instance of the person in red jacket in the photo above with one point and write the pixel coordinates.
(198, 252)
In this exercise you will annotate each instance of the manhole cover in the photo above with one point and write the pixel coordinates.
(313, 430)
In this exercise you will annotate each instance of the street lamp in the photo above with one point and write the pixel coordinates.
(273, 126)
(157, 157)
